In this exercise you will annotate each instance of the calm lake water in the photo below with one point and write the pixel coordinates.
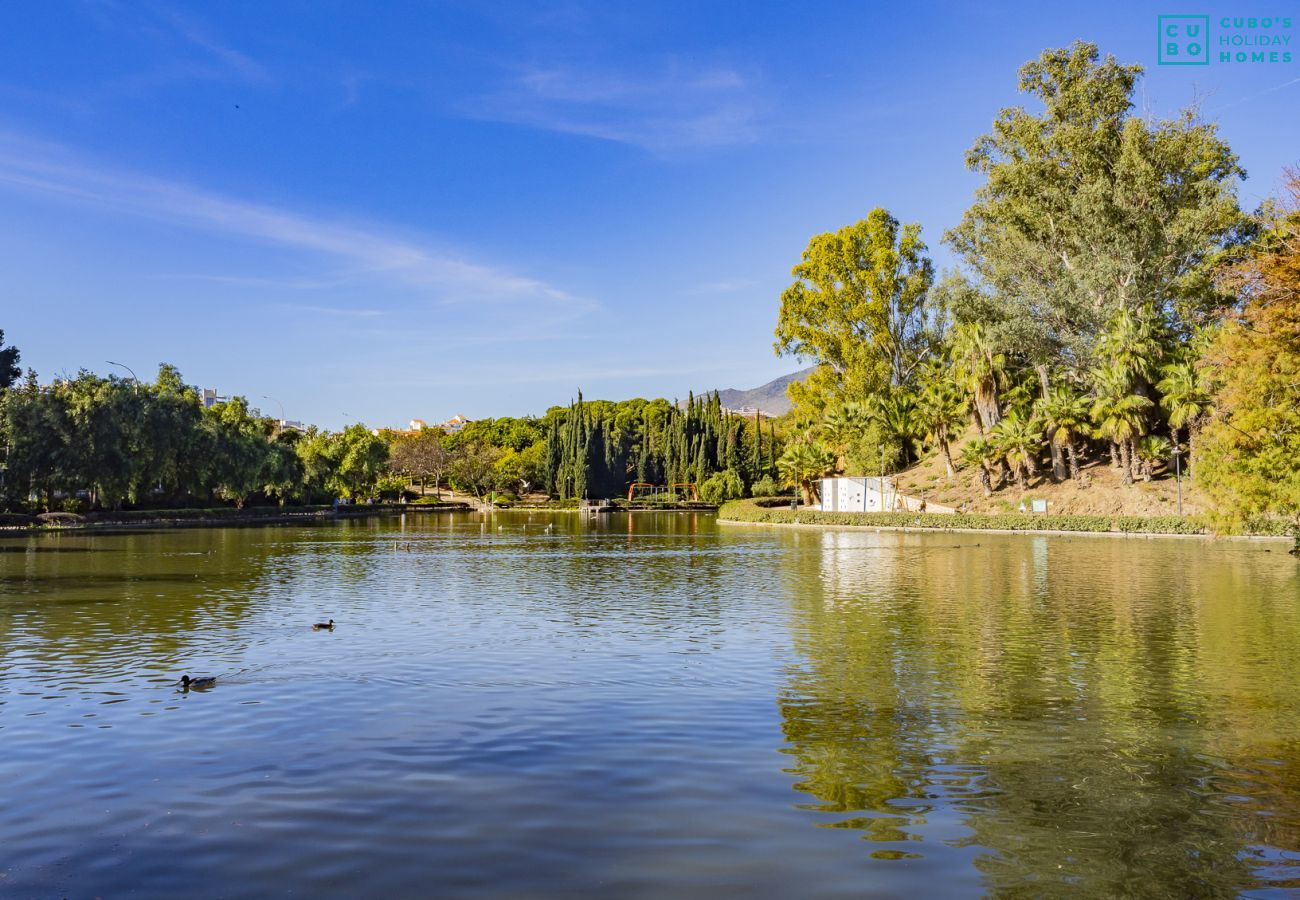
(646, 706)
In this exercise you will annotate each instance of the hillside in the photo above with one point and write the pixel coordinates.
(1106, 494)
(770, 398)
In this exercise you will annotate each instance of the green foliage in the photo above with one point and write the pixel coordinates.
(803, 464)
(153, 444)
(765, 487)
(722, 486)
(9, 358)
(1249, 461)
(596, 449)
(1089, 212)
(858, 307)
(750, 511)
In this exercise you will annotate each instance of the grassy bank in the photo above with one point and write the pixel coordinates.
(760, 512)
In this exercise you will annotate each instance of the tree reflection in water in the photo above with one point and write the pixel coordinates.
(1100, 716)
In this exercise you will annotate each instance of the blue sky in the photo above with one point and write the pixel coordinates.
(390, 210)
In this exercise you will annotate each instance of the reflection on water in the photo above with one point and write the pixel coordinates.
(645, 705)
(1111, 716)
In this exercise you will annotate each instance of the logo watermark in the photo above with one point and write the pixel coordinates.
(1186, 40)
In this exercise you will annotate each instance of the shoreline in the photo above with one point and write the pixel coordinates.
(1028, 532)
(232, 520)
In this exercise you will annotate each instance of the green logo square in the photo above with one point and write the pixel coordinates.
(1183, 40)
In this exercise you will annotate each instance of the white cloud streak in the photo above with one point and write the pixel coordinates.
(361, 252)
(678, 108)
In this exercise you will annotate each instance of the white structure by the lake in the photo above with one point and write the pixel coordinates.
(869, 493)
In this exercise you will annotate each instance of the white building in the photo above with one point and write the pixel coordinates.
(870, 494)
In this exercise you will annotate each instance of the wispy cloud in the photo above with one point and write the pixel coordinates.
(356, 251)
(676, 107)
(726, 286)
(199, 37)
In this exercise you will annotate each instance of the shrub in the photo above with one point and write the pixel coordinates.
(722, 486)
(765, 487)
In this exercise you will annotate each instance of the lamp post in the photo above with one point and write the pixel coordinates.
(280, 430)
(136, 387)
(1178, 475)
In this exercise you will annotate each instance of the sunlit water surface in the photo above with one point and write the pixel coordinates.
(646, 706)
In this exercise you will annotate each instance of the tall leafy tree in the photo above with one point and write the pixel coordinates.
(1250, 450)
(858, 307)
(1088, 210)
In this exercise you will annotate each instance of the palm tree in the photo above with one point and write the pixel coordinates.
(1185, 397)
(1065, 415)
(978, 367)
(982, 454)
(900, 420)
(1020, 439)
(843, 425)
(1132, 344)
(943, 409)
(1150, 450)
(803, 463)
(1120, 417)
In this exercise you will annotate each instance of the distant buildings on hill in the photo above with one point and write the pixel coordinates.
(415, 426)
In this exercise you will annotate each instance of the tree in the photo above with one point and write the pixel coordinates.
(1152, 449)
(803, 464)
(1250, 450)
(1120, 417)
(858, 308)
(942, 411)
(1019, 439)
(422, 455)
(1088, 210)
(978, 366)
(983, 454)
(722, 486)
(901, 424)
(1186, 399)
(1065, 415)
(844, 426)
(359, 459)
(9, 370)
(473, 468)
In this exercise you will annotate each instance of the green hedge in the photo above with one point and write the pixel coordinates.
(752, 511)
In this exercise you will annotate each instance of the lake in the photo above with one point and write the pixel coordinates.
(646, 706)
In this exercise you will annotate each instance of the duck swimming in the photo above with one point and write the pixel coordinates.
(323, 626)
(197, 684)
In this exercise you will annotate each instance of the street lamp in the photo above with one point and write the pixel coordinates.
(1178, 475)
(281, 405)
(129, 369)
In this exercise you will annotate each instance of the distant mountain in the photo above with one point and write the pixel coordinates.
(770, 398)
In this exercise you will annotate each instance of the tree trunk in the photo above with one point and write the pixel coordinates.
(986, 480)
(1058, 458)
(1124, 462)
(1114, 455)
(1073, 456)
(1134, 461)
(1020, 477)
(1031, 465)
(986, 402)
(947, 459)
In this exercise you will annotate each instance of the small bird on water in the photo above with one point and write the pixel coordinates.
(323, 626)
(198, 684)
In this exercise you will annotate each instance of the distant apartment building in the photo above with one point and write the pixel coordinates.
(454, 424)
(209, 398)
